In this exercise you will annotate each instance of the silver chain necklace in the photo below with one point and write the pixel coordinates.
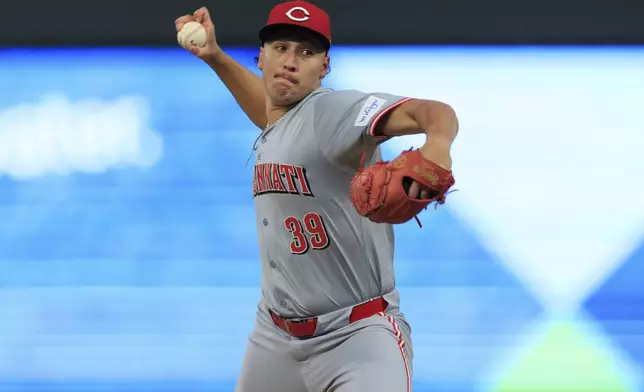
(275, 121)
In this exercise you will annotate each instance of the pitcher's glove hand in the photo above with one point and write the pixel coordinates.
(380, 192)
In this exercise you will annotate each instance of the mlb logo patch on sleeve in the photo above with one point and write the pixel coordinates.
(370, 108)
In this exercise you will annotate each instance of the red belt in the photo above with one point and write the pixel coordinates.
(301, 328)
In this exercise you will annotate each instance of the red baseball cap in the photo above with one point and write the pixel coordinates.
(302, 14)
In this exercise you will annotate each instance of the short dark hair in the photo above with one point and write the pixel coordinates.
(297, 33)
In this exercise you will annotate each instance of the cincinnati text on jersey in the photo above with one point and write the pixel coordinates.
(280, 178)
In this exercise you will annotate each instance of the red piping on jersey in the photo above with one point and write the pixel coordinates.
(372, 127)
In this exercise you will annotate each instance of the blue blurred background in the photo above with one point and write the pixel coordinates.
(128, 252)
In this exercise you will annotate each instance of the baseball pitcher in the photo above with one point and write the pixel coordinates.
(329, 316)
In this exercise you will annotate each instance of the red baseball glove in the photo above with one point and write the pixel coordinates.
(378, 192)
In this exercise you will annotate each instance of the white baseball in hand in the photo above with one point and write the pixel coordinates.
(192, 33)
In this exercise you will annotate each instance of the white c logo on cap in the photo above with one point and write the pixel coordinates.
(306, 16)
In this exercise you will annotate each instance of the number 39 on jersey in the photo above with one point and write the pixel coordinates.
(309, 232)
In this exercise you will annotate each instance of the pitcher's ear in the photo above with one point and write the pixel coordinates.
(259, 60)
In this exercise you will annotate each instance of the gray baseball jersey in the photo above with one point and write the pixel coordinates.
(318, 255)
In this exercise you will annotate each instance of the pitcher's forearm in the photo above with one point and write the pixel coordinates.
(246, 87)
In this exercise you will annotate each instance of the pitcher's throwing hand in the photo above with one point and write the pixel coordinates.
(211, 48)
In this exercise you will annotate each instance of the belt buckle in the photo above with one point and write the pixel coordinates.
(287, 326)
(289, 322)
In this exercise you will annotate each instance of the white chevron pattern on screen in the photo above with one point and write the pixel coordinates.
(548, 160)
